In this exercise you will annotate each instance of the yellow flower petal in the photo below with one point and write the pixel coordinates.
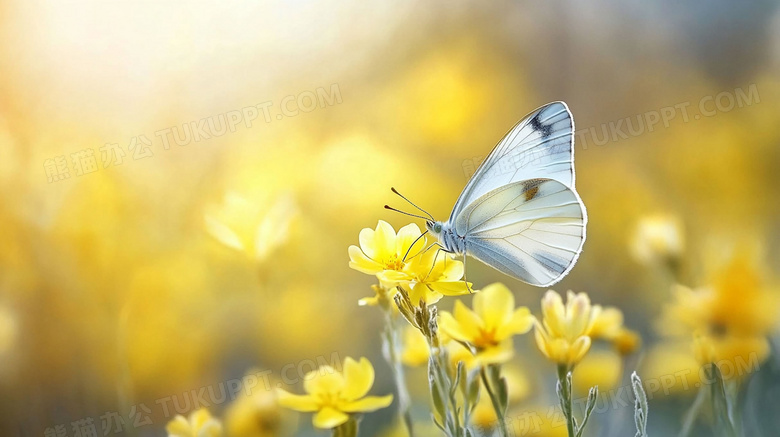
(579, 348)
(423, 292)
(326, 379)
(384, 241)
(554, 313)
(366, 241)
(367, 404)
(179, 426)
(358, 377)
(494, 305)
(303, 403)
(328, 418)
(520, 322)
(469, 321)
(452, 288)
(360, 262)
(498, 354)
(406, 236)
(199, 418)
(451, 327)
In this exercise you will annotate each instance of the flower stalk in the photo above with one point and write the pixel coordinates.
(392, 351)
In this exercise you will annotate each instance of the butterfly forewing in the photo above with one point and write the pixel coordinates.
(539, 146)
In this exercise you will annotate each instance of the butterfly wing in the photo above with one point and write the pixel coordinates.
(531, 230)
(539, 146)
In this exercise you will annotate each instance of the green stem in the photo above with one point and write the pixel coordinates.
(496, 404)
(566, 401)
(692, 414)
(347, 429)
(393, 339)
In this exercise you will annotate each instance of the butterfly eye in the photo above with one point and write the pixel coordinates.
(437, 228)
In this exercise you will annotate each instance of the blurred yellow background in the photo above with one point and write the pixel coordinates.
(154, 270)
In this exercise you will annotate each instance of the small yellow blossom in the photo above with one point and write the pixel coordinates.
(563, 335)
(199, 424)
(727, 321)
(609, 326)
(257, 415)
(657, 238)
(415, 350)
(382, 297)
(602, 368)
(256, 228)
(489, 328)
(383, 253)
(435, 274)
(402, 259)
(333, 395)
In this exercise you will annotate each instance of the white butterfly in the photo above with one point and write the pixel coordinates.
(519, 212)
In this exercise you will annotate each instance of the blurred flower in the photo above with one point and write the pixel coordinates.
(257, 415)
(729, 320)
(518, 387)
(489, 328)
(383, 253)
(251, 226)
(671, 363)
(383, 297)
(333, 395)
(8, 330)
(563, 334)
(602, 368)
(415, 350)
(657, 238)
(199, 424)
(609, 326)
(537, 422)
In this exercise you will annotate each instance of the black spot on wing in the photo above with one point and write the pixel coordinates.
(538, 126)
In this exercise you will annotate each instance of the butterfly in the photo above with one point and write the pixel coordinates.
(520, 213)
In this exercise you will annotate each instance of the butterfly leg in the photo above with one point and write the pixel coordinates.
(435, 257)
(468, 287)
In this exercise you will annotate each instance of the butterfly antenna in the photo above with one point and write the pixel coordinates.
(413, 243)
(405, 213)
(412, 203)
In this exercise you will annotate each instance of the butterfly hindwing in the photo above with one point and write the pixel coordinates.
(532, 230)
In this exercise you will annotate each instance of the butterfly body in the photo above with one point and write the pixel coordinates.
(519, 212)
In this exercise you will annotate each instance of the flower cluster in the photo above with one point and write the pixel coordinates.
(729, 319)
(404, 259)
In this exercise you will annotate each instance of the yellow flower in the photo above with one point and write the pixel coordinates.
(382, 252)
(396, 259)
(727, 321)
(563, 336)
(257, 415)
(256, 228)
(602, 368)
(382, 297)
(609, 326)
(415, 347)
(434, 274)
(199, 424)
(657, 238)
(490, 326)
(333, 395)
